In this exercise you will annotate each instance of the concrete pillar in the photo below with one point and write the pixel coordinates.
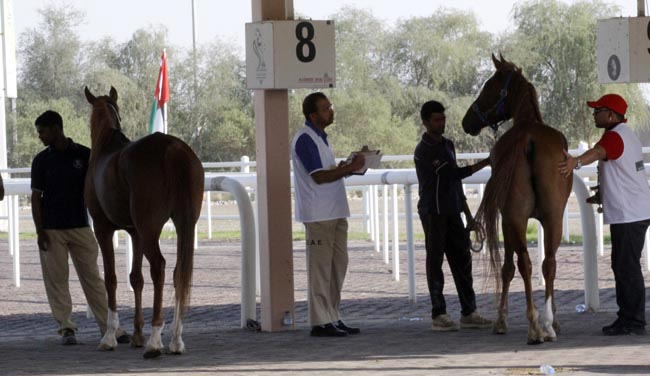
(274, 189)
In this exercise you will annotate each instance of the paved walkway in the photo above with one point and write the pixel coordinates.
(395, 338)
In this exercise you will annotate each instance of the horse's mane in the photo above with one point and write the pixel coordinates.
(104, 122)
(527, 91)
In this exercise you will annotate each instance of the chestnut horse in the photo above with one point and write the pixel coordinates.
(137, 186)
(524, 184)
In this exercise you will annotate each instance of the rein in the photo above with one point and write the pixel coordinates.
(499, 108)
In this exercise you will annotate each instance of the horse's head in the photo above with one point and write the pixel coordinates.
(103, 104)
(492, 107)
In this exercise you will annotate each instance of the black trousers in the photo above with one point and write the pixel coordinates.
(627, 245)
(445, 235)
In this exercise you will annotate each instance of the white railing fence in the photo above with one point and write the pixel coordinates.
(377, 216)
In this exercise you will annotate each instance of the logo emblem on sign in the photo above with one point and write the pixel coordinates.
(613, 67)
(259, 49)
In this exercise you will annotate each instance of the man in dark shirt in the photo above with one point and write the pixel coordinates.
(57, 181)
(441, 202)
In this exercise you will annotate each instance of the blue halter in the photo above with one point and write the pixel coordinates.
(499, 107)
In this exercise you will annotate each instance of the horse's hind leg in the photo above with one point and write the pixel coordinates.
(104, 238)
(507, 273)
(552, 237)
(514, 232)
(157, 267)
(137, 282)
(184, 223)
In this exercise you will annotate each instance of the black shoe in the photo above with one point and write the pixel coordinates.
(327, 330)
(339, 324)
(68, 337)
(619, 328)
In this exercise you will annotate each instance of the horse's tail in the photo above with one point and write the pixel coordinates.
(496, 193)
(187, 195)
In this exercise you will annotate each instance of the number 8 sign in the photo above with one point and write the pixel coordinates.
(290, 54)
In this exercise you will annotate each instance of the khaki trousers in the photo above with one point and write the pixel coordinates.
(81, 245)
(327, 263)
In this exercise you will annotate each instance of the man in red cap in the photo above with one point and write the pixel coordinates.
(625, 196)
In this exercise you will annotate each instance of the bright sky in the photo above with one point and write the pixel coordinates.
(225, 19)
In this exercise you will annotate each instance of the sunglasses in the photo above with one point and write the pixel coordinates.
(599, 110)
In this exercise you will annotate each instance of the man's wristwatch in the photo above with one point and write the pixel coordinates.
(578, 164)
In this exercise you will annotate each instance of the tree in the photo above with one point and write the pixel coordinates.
(28, 145)
(444, 51)
(217, 118)
(49, 55)
(555, 44)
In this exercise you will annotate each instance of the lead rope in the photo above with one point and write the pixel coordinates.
(477, 232)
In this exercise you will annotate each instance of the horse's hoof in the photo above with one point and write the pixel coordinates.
(137, 340)
(176, 347)
(556, 327)
(499, 329)
(150, 354)
(535, 341)
(105, 347)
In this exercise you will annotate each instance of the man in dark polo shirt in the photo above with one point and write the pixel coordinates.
(61, 221)
(441, 202)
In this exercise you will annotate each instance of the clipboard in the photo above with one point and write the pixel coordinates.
(372, 160)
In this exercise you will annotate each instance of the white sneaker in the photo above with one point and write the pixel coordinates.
(443, 323)
(474, 321)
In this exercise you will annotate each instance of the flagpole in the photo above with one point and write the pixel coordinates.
(194, 48)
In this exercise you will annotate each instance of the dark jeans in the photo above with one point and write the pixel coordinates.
(627, 245)
(445, 235)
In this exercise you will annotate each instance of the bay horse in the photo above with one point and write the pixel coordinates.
(524, 184)
(137, 186)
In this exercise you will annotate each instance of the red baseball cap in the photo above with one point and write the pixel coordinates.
(612, 102)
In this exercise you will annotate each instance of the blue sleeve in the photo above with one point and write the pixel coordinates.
(307, 152)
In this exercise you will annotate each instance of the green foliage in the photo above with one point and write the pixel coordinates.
(384, 74)
(28, 144)
(555, 43)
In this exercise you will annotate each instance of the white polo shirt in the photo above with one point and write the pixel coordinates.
(623, 184)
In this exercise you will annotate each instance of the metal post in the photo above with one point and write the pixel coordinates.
(372, 202)
(366, 209)
(600, 234)
(395, 235)
(194, 59)
(128, 259)
(565, 224)
(410, 252)
(208, 201)
(640, 7)
(589, 244)
(14, 237)
(540, 252)
(384, 192)
(375, 216)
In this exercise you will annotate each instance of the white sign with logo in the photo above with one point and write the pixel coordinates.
(290, 54)
(623, 50)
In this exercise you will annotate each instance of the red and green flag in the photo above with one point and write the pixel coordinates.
(158, 118)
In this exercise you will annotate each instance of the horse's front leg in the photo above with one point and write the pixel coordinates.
(535, 332)
(137, 282)
(105, 240)
(157, 262)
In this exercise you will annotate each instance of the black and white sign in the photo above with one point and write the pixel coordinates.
(290, 54)
(623, 50)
